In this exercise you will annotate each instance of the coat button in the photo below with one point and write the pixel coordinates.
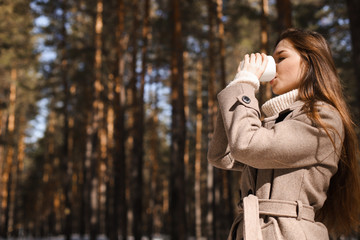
(246, 99)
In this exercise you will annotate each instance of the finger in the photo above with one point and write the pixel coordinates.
(252, 58)
(259, 59)
(264, 57)
(246, 60)
(264, 61)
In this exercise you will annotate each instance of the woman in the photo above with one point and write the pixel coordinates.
(300, 176)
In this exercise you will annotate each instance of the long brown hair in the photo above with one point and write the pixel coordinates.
(320, 82)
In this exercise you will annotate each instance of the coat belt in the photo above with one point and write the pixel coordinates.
(254, 207)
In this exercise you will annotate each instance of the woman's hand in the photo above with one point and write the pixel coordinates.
(255, 63)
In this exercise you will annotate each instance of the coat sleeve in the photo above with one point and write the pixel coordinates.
(292, 143)
(219, 151)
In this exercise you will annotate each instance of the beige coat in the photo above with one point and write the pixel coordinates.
(286, 166)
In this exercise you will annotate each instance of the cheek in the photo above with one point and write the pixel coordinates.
(284, 69)
(294, 72)
(297, 74)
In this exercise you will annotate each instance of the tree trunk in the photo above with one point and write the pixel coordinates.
(187, 166)
(48, 176)
(141, 108)
(12, 188)
(92, 153)
(97, 124)
(211, 201)
(198, 152)
(120, 203)
(3, 127)
(221, 33)
(120, 158)
(178, 130)
(3, 118)
(138, 121)
(265, 88)
(109, 180)
(284, 14)
(18, 202)
(66, 163)
(353, 7)
(153, 217)
(226, 175)
(155, 222)
(7, 176)
(84, 94)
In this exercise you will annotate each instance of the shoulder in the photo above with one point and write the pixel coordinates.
(325, 110)
(328, 112)
(328, 115)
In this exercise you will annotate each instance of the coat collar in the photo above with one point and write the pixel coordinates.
(279, 103)
(294, 107)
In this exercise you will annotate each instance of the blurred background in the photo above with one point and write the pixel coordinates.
(107, 108)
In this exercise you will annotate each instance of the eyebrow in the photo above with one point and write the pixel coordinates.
(279, 52)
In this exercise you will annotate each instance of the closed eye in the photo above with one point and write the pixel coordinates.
(280, 59)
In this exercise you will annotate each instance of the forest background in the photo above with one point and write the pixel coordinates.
(107, 108)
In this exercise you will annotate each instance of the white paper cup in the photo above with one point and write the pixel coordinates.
(270, 70)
